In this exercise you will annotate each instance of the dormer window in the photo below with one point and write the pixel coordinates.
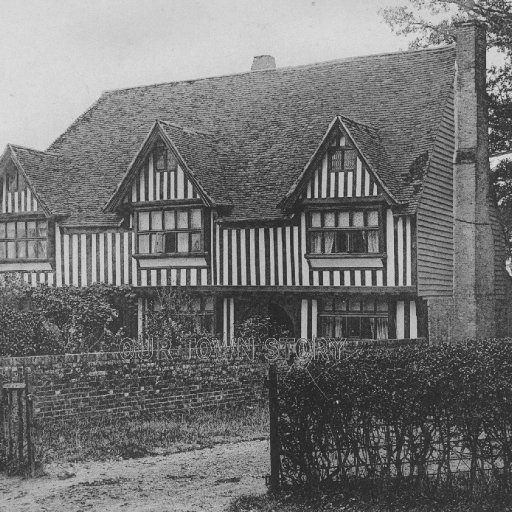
(15, 182)
(164, 159)
(171, 231)
(342, 159)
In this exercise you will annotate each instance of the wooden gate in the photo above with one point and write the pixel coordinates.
(16, 416)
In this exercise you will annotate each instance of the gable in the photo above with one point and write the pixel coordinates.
(16, 195)
(160, 177)
(341, 172)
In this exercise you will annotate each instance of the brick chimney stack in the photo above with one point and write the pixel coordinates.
(474, 280)
(263, 63)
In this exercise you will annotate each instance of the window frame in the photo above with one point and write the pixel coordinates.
(191, 231)
(201, 314)
(342, 150)
(4, 239)
(170, 160)
(349, 313)
(379, 228)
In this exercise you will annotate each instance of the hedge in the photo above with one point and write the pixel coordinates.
(425, 415)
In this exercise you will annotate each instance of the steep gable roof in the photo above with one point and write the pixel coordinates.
(369, 144)
(251, 134)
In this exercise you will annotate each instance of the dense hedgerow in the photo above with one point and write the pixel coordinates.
(44, 320)
(425, 414)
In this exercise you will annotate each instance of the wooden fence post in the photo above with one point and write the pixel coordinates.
(275, 446)
(29, 405)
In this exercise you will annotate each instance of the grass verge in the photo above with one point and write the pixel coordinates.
(104, 438)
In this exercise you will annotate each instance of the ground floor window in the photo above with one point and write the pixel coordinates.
(354, 318)
(194, 313)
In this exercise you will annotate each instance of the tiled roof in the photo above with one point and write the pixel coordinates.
(250, 135)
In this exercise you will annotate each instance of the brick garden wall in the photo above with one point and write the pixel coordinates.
(86, 385)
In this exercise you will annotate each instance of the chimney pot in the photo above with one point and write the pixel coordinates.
(263, 62)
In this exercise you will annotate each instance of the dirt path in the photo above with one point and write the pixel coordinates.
(201, 480)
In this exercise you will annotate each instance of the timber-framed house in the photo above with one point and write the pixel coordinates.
(348, 199)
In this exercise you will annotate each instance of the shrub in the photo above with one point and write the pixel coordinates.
(44, 320)
(412, 413)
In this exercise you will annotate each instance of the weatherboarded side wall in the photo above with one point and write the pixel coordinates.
(109, 384)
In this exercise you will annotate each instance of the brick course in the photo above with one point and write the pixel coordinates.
(87, 385)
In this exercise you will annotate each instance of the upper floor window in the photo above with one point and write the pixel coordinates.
(173, 231)
(24, 240)
(163, 158)
(339, 232)
(342, 159)
(15, 182)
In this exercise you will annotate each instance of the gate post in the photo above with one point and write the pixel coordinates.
(275, 445)
(29, 414)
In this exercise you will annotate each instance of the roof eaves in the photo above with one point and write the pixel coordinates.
(122, 186)
(367, 161)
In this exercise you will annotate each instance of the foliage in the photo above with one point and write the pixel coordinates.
(431, 22)
(13, 290)
(174, 322)
(411, 415)
(44, 320)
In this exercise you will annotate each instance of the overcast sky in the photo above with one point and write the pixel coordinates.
(57, 56)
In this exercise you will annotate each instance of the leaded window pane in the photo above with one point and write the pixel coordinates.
(196, 242)
(336, 161)
(350, 159)
(358, 219)
(316, 242)
(170, 220)
(195, 219)
(373, 241)
(316, 220)
(11, 230)
(144, 244)
(11, 250)
(143, 221)
(41, 249)
(32, 249)
(183, 242)
(170, 243)
(156, 221)
(22, 249)
(31, 229)
(182, 219)
(330, 219)
(373, 218)
(2, 230)
(343, 219)
(3, 250)
(21, 231)
(42, 229)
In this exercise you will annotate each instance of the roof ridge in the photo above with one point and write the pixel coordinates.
(365, 125)
(185, 129)
(285, 68)
(32, 150)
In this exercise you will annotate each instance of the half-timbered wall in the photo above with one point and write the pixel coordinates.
(274, 256)
(267, 256)
(16, 201)
(152, 185)
(348, 183)
(82, 259)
